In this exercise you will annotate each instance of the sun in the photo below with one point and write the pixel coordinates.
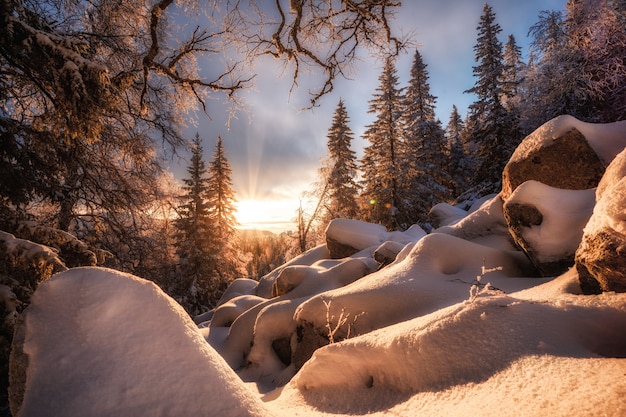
(250, 211)
(273, 215)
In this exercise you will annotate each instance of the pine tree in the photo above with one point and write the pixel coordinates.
(513, 74)
(381, 163)
(194, 240)
(221, 209)
(490, 125)
(459, 162)
(340, 169)
(424, 155)
(221, 195)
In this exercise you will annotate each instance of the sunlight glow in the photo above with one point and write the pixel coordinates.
(273, 215)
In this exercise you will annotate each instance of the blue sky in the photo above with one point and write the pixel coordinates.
(275, 147)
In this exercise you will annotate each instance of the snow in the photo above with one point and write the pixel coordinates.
(358, 234)
(103, 343)
(565, 214)
(27, 251)
(455, 325)
(610, 211)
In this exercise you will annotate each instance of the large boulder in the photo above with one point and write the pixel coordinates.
(564, 153)
(601, 256)
(566, 161)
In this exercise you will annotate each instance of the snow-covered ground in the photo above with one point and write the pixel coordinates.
(103, 343)
(455, 326)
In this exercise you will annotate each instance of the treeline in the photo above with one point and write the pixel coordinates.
(576, 65)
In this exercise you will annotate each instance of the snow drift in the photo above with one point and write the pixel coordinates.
(103, 343)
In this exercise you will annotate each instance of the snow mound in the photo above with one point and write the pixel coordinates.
(103, 343)
(466, 347)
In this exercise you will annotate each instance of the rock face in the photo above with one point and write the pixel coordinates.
(601, 256)
(567, 162)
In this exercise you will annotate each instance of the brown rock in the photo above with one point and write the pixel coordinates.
(601, 262)
(567, 162)
(339, 250)
(308, 340)
(601, 256)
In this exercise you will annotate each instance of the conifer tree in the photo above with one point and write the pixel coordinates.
(194, 240)
(513, 74)
(340, 169)
(381, 163)
(490, 125)
(221, 205)
(459, 160)
(221, 195)
(427, 181)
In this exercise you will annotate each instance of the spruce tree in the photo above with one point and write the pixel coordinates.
(459, 160)
(194, 238)
(381, 163)
(513, 74)
(427, 181)
(340, 169)
(490, 125)
(222, 207)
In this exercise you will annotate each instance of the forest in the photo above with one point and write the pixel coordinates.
(95, 95)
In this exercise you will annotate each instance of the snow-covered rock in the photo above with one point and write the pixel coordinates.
(102, 343)
(444, 214)
(345, 237)
(547, 223)
(256, 325)
(556, 154)
(484, 223)
(439, 271)
(543, 351)
(601, 257)
(564, 153)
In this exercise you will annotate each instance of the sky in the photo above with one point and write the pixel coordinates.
(275, 147)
